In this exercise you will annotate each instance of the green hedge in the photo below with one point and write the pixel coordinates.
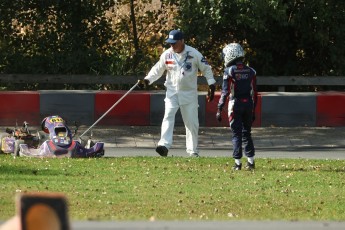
(102, 37)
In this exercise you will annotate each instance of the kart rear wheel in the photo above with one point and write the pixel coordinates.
(17, 148)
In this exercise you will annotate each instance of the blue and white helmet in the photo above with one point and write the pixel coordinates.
(231, 52)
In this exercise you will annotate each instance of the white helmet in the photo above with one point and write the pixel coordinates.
(231, 52)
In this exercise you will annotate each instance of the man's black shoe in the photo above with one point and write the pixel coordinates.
(237, 167)
(162, 150)
(250, 166)
(194, 155)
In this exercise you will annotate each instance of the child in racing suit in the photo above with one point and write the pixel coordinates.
(239, 84)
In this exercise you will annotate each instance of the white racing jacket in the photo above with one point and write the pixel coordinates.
(182, 73)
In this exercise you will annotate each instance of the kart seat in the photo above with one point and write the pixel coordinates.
(61, 131)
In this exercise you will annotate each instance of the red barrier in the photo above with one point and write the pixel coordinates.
(257, 122)
(330, 109)
(211, 110)
(134, 109)
(18, 107)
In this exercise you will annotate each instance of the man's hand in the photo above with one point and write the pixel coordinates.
(143, 83)
(210, 93)
(219, 115)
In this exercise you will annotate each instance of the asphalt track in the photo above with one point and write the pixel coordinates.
(288, 153)
(214, 225)
(270, 142)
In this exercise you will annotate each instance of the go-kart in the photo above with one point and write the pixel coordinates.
(55, 140)
(9, 141)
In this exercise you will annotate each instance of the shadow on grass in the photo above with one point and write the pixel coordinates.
(304, 165)
(27, 170)
(307, 169)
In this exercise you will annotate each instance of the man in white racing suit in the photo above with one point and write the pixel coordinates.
(182, 63)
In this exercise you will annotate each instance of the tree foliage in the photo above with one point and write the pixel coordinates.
(62, 36)
(281, 37)
(122, 37)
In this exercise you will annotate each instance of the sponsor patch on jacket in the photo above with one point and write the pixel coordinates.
(239, 76)
(203, 60)
(187, 67)
(168, 56)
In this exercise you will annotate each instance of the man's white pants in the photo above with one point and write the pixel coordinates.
(190, 118)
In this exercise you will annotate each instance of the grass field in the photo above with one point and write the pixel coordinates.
(173, 188)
